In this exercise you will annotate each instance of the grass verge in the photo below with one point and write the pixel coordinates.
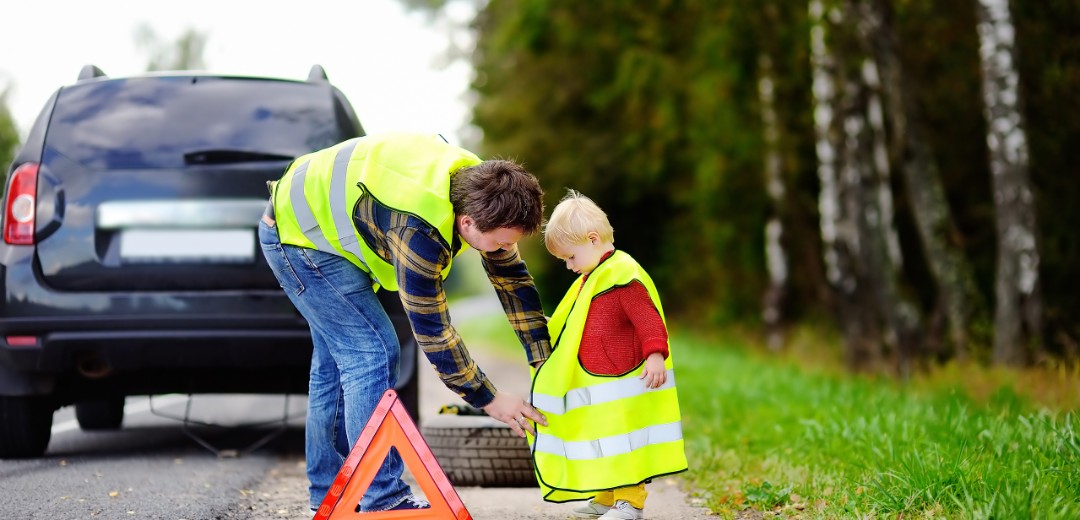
(777, 438)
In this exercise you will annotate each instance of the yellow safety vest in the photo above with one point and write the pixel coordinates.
(603, 432)
(410, 173)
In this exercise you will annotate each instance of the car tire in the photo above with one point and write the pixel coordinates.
(25, 426)
(100, 414)
(479, 451)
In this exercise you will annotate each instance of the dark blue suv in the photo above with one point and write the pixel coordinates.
(129, 264)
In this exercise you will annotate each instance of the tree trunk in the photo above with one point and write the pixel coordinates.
(839, 229)
(1016, 288)
(776, 257)
(883, 259)
(953, 275)
(861, 249)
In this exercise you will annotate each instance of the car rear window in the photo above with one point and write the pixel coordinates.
(154, 122)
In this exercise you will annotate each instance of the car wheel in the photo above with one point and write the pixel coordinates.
(25, 425)
(479, 451)
(100, 414)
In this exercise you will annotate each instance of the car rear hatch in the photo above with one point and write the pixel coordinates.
(157, 184)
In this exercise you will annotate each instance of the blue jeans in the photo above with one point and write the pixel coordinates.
(354, 361)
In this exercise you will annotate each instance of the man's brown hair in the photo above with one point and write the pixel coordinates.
(498, 194)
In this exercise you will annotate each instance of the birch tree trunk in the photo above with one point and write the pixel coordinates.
(839, 270)
(776, 257)
(861, 250)
(953, 275)
(1018, 300)
(839, 227)
(882, 258)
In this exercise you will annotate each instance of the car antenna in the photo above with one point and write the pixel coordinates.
(317, 74)
(90, 72)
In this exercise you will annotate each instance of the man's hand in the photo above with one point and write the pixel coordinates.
(515, 412)
(654, 374)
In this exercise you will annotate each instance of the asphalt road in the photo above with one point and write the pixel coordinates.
(154, 467)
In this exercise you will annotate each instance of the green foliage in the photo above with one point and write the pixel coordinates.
(766, 495)
(424, 5)
(649, 111)
(860, 448)
(9, 137)
(186, 53)
(652, 110)
(493, 333)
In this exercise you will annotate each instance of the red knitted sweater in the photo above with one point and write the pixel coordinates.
(623, 327)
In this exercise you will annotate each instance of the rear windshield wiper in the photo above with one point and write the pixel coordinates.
(225, 155)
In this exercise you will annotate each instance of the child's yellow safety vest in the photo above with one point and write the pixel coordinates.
(315, 199)
(603, 432)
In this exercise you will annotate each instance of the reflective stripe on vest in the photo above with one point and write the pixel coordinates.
(308, 225)
(603, 432)
(597, 394)
(610, 446)
(346, 233)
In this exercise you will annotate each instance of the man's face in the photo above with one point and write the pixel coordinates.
(494, 240)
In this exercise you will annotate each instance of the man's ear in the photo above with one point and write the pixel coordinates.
(593, 236)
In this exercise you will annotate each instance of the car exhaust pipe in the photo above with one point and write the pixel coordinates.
(91, 366)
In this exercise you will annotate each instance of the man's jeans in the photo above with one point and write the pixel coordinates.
(354, 361)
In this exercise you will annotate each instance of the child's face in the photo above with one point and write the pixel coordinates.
(583, 258)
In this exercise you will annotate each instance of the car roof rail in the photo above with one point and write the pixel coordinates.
(317, 75)
(89, 72)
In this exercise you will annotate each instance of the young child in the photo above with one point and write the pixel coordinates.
(608, 389)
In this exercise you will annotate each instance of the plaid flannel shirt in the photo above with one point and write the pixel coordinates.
(419, 255)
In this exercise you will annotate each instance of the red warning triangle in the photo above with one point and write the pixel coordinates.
(391, 426)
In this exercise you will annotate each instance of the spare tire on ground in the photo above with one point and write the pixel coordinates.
(479, 451)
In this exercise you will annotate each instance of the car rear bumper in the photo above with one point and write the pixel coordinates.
(104, 351)
(76, 364)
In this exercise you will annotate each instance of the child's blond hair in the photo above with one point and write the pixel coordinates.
(572, 220)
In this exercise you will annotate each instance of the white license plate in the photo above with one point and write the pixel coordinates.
(187, 245)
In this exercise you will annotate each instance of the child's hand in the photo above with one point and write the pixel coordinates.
(654, 374)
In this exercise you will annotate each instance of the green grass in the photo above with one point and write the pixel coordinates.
(492, 334)
(774, 436)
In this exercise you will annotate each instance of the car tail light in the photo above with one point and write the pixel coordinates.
(21, 205)
(22, 341)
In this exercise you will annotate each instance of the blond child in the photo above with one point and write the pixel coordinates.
(608, 389)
